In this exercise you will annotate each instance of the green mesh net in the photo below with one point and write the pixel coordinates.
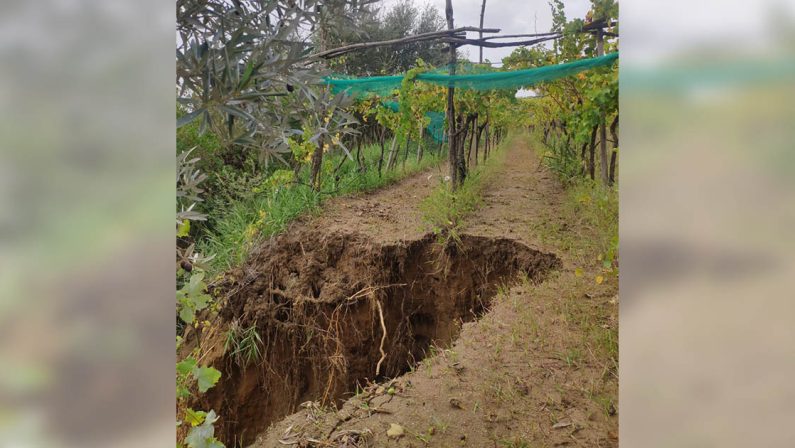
(436, 126)
(477, 77)
(386, 85)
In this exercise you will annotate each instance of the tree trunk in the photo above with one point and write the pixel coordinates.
(359, 162)
(381, 157)
(460, 159)
(486, 143)
(477, 142)
(419, 144)
(584, 159)
(591, 160)
(471, 131)
(390, 162)
(317, 163)
(614, 152)
(406, 155)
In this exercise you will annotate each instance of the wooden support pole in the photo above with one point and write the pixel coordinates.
(433, 35)
(451, 133)
(600, 50)
(482, 12)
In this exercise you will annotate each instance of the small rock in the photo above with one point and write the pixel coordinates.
(559, 425)
(456, 403)
(395, 431)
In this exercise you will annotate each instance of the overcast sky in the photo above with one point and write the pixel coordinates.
(511, 16)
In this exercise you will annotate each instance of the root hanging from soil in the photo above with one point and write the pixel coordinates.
(383, 338)
(335, 310)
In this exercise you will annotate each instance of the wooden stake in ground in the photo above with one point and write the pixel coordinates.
(482, 11)
(451, 132)
(600, 50)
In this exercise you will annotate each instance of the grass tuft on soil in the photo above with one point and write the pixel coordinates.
(443, 210)
(268, 209)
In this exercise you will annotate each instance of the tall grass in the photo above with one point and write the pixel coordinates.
(233, 229)
(588, 201)
(444, 210)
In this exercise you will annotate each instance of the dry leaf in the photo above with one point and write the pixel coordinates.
(395, 431)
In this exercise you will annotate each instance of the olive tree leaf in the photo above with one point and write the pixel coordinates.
(187, 118)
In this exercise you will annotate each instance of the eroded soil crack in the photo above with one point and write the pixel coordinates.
(319, 302)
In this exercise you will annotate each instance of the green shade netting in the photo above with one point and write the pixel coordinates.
(436, 126)
(385, 85)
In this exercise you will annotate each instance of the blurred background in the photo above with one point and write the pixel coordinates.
(87, 205)
(707, 207)
(86, 223)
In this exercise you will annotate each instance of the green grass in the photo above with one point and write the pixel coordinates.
(597, 207)
(591, 206)
(243, 344)
(444, 210)
(234, 228)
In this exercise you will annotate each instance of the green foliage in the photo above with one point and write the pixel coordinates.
(399, 20)
(191, 298)
(569, 109)
(203, 435)
(202, 431)
(234, 228)
(188, 371)
(597, 206)
(443, 210)
(243, 344)
(562, 159)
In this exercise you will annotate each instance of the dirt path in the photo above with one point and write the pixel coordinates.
(538, 369)
(387, 215)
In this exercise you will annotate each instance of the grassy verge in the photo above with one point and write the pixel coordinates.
(234, 229)
(443, 210)
(590, 207)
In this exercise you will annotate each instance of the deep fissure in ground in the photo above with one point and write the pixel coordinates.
(316, 301)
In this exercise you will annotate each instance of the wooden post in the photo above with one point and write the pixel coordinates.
(614, 152)
(451, 134)
(600, 50)
(419, 143)
(381, 157)
(482, 11)
(390, 161)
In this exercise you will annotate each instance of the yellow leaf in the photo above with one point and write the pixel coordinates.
(578, 272)
(599, 279)
(184, 229)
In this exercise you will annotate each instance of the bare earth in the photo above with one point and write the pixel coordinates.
(538, 369)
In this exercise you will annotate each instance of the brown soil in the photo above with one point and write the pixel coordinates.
(539, 368)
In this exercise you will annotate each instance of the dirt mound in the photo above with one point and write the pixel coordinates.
(318, 303)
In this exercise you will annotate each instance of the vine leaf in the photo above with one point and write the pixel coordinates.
(207, 377)
(194, 418)
(186, 366)
(203, 436)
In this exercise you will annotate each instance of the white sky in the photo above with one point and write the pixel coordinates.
(511, 16)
